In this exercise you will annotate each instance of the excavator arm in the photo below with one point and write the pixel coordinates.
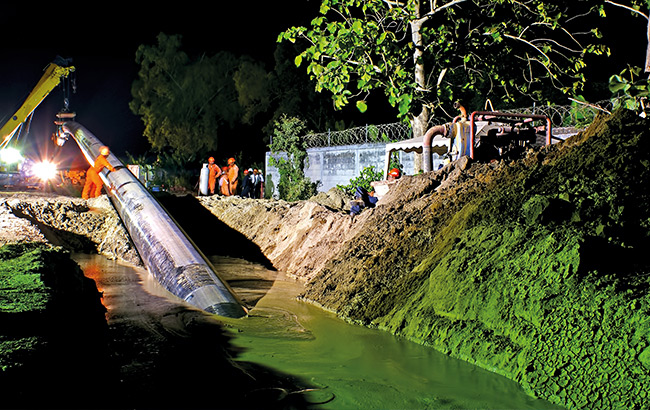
(52, 77)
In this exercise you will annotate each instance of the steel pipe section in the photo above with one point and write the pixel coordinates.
(168, 253)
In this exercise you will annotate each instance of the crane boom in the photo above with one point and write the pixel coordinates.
(53, 75)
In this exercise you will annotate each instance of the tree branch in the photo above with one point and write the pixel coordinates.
(530, 44)
(627, 7)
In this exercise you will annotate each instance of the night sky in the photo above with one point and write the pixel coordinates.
(101, 39)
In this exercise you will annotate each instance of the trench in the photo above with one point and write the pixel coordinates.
(312, 359)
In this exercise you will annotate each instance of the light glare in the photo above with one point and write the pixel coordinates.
(10, 156)
(44, 170)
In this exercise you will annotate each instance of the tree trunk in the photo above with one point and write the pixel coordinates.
(419, 122)
(647, 54)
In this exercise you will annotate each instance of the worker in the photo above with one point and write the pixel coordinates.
(381, 187)
(93, 186)
(247, 184)
(233, 176)
(224, 184)
(258, 184)
(215, 172)
(362, 199)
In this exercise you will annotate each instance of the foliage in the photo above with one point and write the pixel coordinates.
(424, 55)
(291, 159)
(368, 174)
(628, 92)
(185, 103)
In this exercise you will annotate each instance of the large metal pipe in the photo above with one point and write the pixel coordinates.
(426, 145)
(168, 253)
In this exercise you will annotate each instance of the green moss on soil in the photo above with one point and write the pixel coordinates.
(534, 269)
(53, 329)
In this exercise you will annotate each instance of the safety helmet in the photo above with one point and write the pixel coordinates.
(231, 161)
(394, 172)
(104, 151)
(211, 160)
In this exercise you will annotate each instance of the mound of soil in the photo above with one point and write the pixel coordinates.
(531, 268)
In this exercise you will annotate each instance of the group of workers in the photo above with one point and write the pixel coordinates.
(227, 179)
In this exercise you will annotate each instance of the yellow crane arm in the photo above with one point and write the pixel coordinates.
(50, 79)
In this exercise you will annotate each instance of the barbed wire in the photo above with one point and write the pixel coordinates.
(577, 115)
(360, 135)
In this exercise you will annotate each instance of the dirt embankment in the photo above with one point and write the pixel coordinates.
(76, 224)
(534, 269)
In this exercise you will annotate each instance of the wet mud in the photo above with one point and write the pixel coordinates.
(167, 354)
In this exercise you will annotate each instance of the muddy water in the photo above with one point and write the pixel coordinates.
(343, 366)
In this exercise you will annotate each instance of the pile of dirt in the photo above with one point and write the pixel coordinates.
(533, 268)
(78, 225)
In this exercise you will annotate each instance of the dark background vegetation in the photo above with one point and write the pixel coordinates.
(102, 41)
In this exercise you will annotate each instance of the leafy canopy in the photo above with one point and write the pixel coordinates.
(424, 54)
(185, 103)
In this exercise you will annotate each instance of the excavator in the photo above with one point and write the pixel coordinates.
(11, 160)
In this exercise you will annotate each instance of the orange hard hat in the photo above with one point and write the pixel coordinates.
(104, 150)
(231, 161)
(394, 172)
(211, 160)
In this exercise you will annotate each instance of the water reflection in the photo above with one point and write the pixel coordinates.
(360, 367)
(344, 366)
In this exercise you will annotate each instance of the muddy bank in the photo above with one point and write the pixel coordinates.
(533, 269)
(53, 345)
(78, 225)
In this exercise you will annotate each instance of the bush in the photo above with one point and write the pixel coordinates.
(368, 174)
(291, 160)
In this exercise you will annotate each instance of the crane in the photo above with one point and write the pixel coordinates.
(53, 75)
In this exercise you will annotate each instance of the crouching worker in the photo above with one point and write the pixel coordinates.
(94, 184)
(362, 199)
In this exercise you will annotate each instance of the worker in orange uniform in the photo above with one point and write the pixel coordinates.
(224, 184)
(93, 186)
(215, 172)
(233, 176)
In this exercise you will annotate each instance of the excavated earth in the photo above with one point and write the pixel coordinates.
(533, 269)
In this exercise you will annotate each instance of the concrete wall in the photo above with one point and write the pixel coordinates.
(334, 166)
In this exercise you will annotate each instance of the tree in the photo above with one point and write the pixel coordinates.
(425, 54)
(184, 103)
(628, 88)
(291, 159)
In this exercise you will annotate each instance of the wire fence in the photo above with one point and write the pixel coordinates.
(576, 115)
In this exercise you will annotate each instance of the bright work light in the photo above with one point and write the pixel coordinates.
(10, 156)
(44, 170)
